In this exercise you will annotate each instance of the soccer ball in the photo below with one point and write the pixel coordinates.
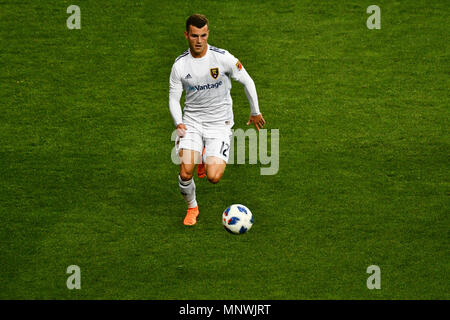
(237, 219)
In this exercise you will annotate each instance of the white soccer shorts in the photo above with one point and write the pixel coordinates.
(217, 141)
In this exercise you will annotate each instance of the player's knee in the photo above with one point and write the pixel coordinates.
(215, 178)
(184, 175)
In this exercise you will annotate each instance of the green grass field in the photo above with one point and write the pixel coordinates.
(86, 176)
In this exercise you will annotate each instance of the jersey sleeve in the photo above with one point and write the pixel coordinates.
(233, 66)
(237, 72)
(175, 91)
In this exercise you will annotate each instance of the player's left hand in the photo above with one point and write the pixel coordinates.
(257, 120)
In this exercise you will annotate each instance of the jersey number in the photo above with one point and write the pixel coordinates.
(224, 149)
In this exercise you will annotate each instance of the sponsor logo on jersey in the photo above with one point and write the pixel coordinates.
(188, 76)
(205, 86)
(239, 65)
(214, 72)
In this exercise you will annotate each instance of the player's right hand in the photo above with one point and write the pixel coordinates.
(181, 130)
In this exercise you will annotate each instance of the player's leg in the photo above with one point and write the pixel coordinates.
(188, 160)
(186, 184)
(189, 148)
(215, 167)
(201, 166)
(185, 181)
(216, 154)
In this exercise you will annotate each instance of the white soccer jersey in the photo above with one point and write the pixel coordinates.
(207, 84)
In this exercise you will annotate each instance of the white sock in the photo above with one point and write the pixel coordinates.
(187, 189)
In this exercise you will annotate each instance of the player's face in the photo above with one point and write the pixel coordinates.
(197, 38)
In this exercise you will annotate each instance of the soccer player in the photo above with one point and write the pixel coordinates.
(204, 130)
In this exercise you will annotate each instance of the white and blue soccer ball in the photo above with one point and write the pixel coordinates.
(237, 219)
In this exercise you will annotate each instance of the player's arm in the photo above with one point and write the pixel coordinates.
(250, 90)
(239, 73)
(175, 91)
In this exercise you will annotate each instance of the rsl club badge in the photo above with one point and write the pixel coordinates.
(214, 73)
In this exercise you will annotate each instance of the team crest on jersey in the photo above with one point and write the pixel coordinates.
(214, 72)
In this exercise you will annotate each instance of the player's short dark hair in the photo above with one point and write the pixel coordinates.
(196, 20)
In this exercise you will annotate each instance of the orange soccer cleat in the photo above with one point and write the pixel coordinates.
(201, 167)
(191, 216)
